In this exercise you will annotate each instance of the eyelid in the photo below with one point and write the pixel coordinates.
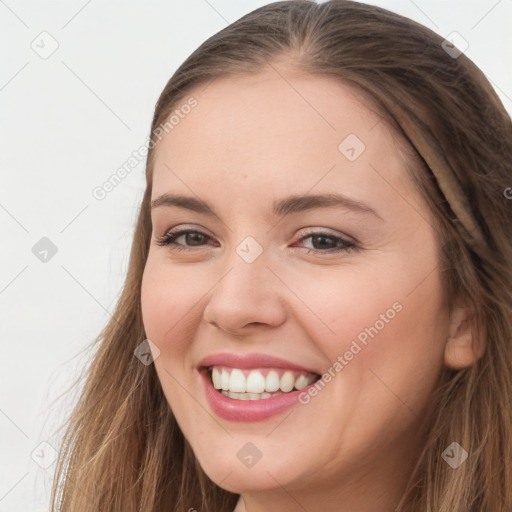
(186, 227)
(327, 231)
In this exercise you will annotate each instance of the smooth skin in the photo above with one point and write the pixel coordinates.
(252, 140)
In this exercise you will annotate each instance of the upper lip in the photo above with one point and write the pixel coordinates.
(249, 361)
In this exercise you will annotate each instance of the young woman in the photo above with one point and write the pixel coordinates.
(317, 312)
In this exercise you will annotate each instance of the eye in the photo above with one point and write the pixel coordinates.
(190, 235)
(328, 243)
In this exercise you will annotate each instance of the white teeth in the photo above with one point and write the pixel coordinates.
(237, 381)
(302, 381)
(287, 382)
(216, 378)
(249, 396)
(256, 386)
(224, 380)
(255, 383)
(272, 381)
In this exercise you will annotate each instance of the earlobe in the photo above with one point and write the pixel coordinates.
(459, 353)
(462, 347)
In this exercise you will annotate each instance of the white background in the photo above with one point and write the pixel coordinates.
(67, 123)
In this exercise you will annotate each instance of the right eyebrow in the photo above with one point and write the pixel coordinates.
(189, 203)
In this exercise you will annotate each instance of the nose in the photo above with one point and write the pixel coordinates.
(247, 297)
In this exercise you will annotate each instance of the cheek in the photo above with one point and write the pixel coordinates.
(378, 320)
(169, 318)
(167, 302)
(348, 304)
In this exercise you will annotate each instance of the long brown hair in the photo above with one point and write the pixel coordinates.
(123, 450)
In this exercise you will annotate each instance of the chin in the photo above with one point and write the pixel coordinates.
(245, 481)
(231, 474)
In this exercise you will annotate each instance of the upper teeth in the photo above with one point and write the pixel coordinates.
(255, 381)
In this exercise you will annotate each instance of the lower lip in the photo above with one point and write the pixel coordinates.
(248, 410)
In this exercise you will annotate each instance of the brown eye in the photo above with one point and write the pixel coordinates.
(328, 243)
(192, 238)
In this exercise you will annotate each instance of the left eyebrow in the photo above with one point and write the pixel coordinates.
(282, 207)
(295, 204)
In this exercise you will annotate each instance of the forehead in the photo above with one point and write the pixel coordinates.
(280, 102)
(281, 127)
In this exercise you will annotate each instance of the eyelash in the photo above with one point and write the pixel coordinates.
(169, 239)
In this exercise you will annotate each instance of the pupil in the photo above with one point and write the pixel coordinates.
(194, 236)
(321, 237)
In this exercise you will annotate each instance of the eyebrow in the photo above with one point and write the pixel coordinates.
(282, 207)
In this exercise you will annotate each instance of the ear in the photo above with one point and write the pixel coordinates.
(462, 348)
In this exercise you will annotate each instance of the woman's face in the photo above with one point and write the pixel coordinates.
(256, 280)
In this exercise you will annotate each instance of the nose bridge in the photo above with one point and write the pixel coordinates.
(247, 292)
(247, 274)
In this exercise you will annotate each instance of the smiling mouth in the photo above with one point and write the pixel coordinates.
(258, 383)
